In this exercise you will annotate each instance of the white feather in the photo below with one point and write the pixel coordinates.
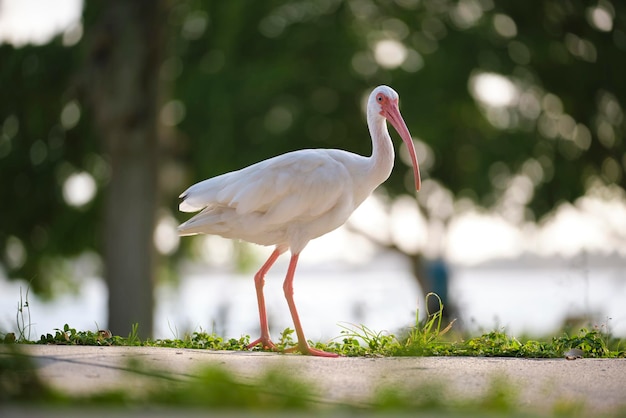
(257, 203)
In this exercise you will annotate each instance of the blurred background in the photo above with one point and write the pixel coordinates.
(109, 110)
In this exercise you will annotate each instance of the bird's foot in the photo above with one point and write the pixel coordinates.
(265, 342)
(310, 351)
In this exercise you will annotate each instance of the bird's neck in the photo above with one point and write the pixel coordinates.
(381, 161)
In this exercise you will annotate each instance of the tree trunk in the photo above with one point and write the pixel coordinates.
(125, 56)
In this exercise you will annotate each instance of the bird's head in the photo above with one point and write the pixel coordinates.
(385, 101)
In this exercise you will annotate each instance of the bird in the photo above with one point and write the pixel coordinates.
(288, 200)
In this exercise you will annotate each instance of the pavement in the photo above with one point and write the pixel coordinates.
(597, 385)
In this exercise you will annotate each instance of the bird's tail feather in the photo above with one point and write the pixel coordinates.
(186, 206)
(203, 223)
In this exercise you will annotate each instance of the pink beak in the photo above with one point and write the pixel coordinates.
(392, 113)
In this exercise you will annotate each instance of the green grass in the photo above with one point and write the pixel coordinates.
(429, 337)
(360, 341)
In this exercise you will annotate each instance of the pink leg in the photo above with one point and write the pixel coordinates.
(303, 346)
(259, 282)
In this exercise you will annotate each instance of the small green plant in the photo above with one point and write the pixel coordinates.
(69, 336)
(22, 317)
(492, 344)
(286, 340)
(133, 337)
(425, 338)
(348, 346)
(376, 343)
(593, 343)
(201, 340)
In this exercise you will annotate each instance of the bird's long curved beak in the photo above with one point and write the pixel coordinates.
(392, 113)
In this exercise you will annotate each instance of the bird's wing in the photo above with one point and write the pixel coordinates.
(300, 184)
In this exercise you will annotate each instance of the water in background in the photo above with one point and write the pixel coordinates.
(524, 296)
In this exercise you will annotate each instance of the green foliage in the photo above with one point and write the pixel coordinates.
(218, 388)
(429, 397)
(198, 340)
(492, 344)
(69, 336)
(500, 398)
(19, 380)
(359, 340)
(40, 150)
(286, 340)
(212, 387)
(425, 338)
(202, 340)
(422, 337)
(22, 318)
(593, 343)
(498, 344)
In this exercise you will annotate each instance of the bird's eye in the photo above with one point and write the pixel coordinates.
(379, 98)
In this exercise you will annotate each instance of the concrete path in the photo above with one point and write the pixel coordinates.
(540, 384)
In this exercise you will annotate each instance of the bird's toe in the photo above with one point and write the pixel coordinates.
(265, 343)
(310, 351)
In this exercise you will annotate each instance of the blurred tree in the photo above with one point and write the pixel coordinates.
(45, 144)
(59, 101)
(125, 43)
(517, 107)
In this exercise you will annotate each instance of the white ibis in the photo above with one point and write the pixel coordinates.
(290, 199)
